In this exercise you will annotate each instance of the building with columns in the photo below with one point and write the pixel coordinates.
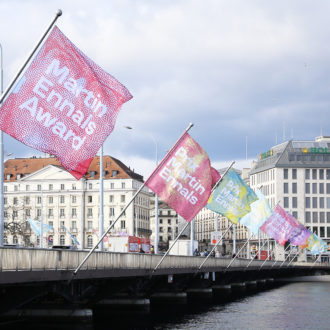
(39, 188)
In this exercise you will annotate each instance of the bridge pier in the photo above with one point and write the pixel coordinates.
(168, 298)
(238, 288)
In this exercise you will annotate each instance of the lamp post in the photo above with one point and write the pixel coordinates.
(156, 197)
(2, 220)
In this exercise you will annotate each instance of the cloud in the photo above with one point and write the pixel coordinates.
(256, 69)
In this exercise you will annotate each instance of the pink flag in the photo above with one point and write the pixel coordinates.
(184, 178)
(64, 105)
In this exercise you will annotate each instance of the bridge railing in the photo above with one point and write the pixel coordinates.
(25, 259)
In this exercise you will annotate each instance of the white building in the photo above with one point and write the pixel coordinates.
(296, 174)
(41, 189)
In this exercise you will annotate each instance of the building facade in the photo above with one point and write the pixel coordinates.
(39, 188)
(167, 224)
(296, 174)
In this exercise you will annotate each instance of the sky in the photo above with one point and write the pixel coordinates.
(248, 74)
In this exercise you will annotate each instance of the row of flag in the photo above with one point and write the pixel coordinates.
(66, 105)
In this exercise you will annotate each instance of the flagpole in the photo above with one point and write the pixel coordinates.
(317, 259)
(133, 198)
(3, 96)
(293, 258)
(213, 188)
(232, 260)
(101, 220)
(284, 256)
(170, 248)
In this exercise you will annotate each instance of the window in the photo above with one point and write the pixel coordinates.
(62, 199)
(62, 213)
(62, 240)
(307, 188)
(90, 186)
(62, 224)
(307, 174)
(169, 221)
(112, 212)
(38, 200)
(321, 203)
(328, 188)
(328, 231)
(50, 200)
(294, 173)
(15, 188)
(38, 212)
(295, 214)
(27, 200)
(122, 198)
(308, 217)
(314, 201)
(328, 217)
(160, 238)
(315, 230)
(15, 201)
(286, 202)
(50, 213)
(90, 199)
(27, 187)
(122, 224)
(294, 187)
(328, 202)
(90, 225)
(294, 202)
(168, 212)
(314, 188)
(111, 198)
(74, 199)
(315, 217)
(89, 241)
(15, 239)
(112, 185)
(39, 187)
(123, 185)
(322, 217)
(322, 232)
(328, 174)
(73, 212)
(314, 174)
(285, 173)
(169, 229)
(74, 224)
(50, 187)
(321, 174)
(89, 212)
(15, 214)
(114, 173)
(74, 187)
(27, 212)
(160, 229)
(5, 200)
(160, 221)
(6, 188)
(321, 188)
(92, 174)
(62, 186)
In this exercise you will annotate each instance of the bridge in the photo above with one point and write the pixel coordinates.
(31, 277)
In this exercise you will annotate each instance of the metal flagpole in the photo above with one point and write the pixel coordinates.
(293, 258)
(192, 237)
(170, 248)
(101, 220)
(253, 258)
(317, 259)
(3, 96)
(248, 246)
(133, 198)
(215, 246)
(284, 256)
(201, 265)
(234, 238)
(232, 260)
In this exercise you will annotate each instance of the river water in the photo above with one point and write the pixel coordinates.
(304, 305)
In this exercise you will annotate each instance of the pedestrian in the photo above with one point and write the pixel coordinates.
(205, 253)
(141, 250)
(196, 253)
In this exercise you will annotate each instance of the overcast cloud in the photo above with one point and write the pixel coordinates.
(239, 70)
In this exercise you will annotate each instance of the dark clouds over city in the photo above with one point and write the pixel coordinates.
(241, 71)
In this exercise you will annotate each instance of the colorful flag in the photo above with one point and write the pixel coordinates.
(300, 234)
(36, 226)
(64, 105)
(74, 239)
(260, 212)
(184, 180)
(316, 245)
(281, 227)
(232, 197)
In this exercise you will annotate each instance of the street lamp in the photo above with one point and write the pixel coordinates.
(156, 197)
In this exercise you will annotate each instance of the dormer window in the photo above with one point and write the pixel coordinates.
(114, 173)
(92, 174)
(18, 176)
(8, 176)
